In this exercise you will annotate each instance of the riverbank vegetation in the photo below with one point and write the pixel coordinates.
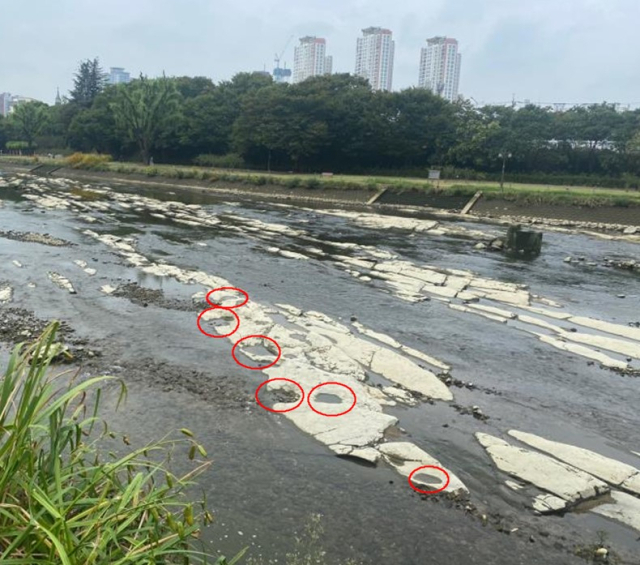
(526, 194)
(331, 123)
(67, 496)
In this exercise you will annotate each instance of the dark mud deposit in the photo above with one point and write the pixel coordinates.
(142, 296)
(42, 238)
(267, 476)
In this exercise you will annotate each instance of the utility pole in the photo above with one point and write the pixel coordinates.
(504, 156)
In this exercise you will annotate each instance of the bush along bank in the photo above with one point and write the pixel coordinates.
(61, 502)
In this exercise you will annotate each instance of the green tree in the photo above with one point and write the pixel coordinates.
(419, 127)
(143, 109)
(207, 124)
(277, 119)
(210, 117)
(88, 82)
(345, 104)
(4, 132)
(29, 119)
(95, 128)
(190, 87)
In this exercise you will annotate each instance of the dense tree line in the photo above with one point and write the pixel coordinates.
(333, 123)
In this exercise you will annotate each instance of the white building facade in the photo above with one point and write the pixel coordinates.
(440, 67)
(5, 103)
(118, 75)
(310, 59)
(374, 57)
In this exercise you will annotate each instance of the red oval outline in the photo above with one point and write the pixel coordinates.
(218, 336)
(429, 491)
(279, 411)
(355, 400)
(227, 288)
(233, 353)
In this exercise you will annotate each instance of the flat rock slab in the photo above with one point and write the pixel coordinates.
(583, 351)
(565, 481)
(406, 373)
(613, 472)
(624, 508)
(6, 292)
(468, 310)
(407, 457)
(532, 320)
(548, 504)
(357, 429)
(62, 282)
(492, 310)
(608, 327)
(547, 313)
(620, 346)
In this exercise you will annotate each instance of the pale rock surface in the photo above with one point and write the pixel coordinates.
(624, 508)
(6, 292)
(583, 351)
(609, 470)
(540, 323)
(611, 344)
(62, 282)
(492, 310)
(546, 473)
(548, 504)
(407, 374)
(407, 457)
(608, 327)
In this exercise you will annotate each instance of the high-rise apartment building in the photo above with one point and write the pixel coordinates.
(118, 75)
(440, 67)
(310, 59)
(5, 103)
(374, 57)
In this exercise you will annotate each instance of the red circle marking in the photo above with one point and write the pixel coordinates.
(332, 415)
(227, 288)
(446, 484)
(218, 308)
(279, 411)
(233, 353)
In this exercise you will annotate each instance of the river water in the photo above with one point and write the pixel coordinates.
(267, 477)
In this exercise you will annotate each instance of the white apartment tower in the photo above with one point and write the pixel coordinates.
(374, 57)
(440, 67)
(118, 75)
(5, 103)
(310, 59)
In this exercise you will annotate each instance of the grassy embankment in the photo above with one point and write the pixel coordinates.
(520, 193)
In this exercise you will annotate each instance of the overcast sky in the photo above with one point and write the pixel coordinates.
(541, 50)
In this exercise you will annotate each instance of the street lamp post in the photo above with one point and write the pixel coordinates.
(504, 156)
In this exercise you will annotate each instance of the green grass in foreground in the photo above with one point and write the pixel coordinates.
(61, 501)
(525, 194)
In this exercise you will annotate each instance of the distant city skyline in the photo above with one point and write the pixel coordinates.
(545, 52)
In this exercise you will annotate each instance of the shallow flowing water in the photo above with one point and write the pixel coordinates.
(267, 476)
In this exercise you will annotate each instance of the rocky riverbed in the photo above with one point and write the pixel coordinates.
(515, 378)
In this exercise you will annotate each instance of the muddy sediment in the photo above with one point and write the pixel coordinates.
(148, 296)
(31, 237)
(629, 216)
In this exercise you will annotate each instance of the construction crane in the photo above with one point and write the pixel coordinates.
(281, 74)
